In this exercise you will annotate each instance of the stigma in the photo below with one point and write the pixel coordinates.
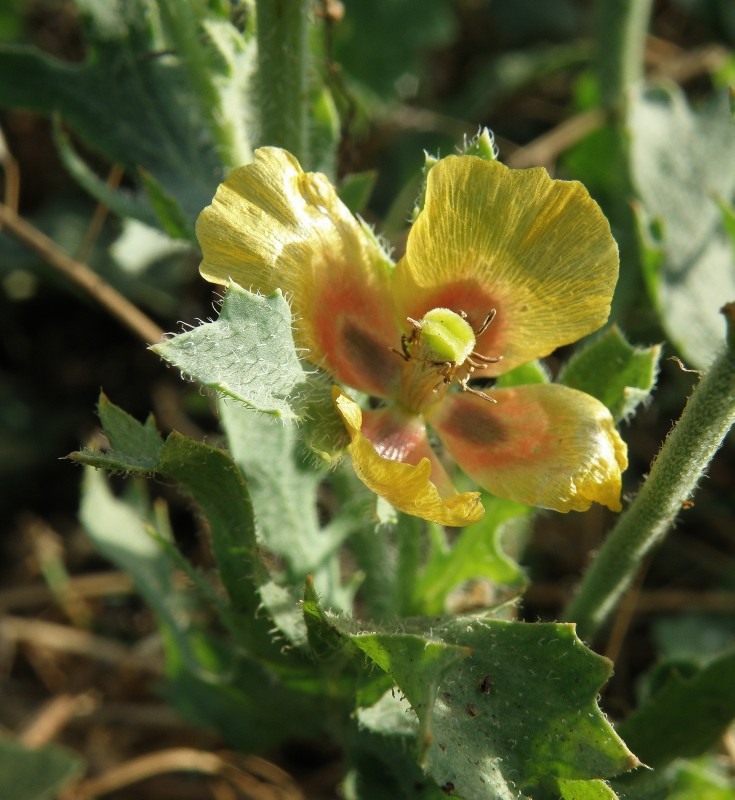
(439, 351)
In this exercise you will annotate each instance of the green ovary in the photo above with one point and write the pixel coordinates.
(447, 335)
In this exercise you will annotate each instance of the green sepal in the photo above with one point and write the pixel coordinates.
(482, 145)
(618, 374)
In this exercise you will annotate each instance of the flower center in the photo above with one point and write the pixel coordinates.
(447, 335)
(440, 349)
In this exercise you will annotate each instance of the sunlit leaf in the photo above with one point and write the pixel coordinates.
(247, 354)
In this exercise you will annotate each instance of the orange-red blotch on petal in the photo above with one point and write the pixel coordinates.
(272, 225)
(407, 487)
(544, 445)
(538, 250)
(399, 436)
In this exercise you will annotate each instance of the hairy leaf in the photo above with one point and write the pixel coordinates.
(616, 373)
(247, 354)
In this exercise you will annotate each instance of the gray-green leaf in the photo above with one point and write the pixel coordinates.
(683, 161)
(248, 354)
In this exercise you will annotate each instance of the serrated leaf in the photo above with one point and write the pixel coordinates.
(212, 479)
(136, 447)
(522, 709)
(683, 161)
(38, 774)
(619, 375)
(139, 444)
(516, 704)
(247, 354)
(686, 716)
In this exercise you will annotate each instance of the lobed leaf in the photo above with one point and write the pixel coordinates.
(476, 554)
(522, 709)
(505, 709)
(210, 477)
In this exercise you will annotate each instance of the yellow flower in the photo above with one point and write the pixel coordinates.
(501, 267)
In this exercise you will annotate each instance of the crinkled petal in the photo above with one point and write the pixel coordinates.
(405, 486)
(272, 225)
(537, 250)
(398, 436)
(544, 445)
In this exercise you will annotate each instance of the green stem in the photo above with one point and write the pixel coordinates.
(283, 75)
(707, 417)
(622, 27)
(182, 28)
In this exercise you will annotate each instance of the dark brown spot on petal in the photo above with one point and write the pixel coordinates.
(475, 424)
(369, 355)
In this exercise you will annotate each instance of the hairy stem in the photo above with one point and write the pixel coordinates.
(283, 75)
(707, 417)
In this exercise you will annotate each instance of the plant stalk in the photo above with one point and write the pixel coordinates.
(622, 26)
(707, 417)
(283, 75)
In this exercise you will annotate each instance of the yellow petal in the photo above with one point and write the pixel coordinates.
(537, 250)
(544, 445)
(272, 225)
(405, 486)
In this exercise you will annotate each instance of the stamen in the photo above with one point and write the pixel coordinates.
(467, 388)
(486, 359)
(486, 324)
